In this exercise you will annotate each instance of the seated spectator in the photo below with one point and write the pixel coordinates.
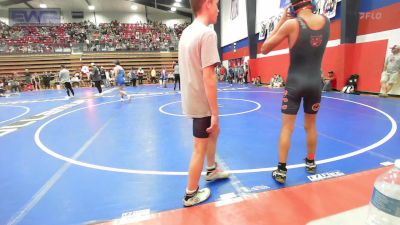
(276, 81)
(153, 36)
(257, 81)
(328, 81)
(14, 84)
(351, 85)
(75, 80)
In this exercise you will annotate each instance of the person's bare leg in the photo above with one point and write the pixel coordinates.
(288, 122)
(385, 88)
(121, 91)
(211, 148)
(311, 133)
(388, 88)
(196, 163)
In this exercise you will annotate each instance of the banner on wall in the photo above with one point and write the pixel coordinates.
(234, 9)
(34, 16)
(284, 3)
(327, 7)
(263, 31)
(324, 7)
(267, 26)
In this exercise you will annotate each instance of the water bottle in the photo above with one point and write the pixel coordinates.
(384, 208)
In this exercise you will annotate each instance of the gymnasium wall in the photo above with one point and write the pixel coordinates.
(125, 17)
(266, 9)
(379, 29)
(233, 30)
(4, 16)
(379, 21)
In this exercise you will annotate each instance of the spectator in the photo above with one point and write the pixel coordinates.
(163, 78)
(66, 81)
(140, 74)
(328, 82)
(14, 84)
(133, 76)
(153, 75)
(177, 78)
(222, 72)
(96, 78)
(276, 81)
(257, 81)
(391, 71)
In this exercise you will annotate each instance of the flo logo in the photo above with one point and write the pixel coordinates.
(370, 15)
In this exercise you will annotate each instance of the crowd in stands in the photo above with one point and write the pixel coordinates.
(86, 36)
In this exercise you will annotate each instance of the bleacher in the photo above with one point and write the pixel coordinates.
(40, 63)
(86, 36)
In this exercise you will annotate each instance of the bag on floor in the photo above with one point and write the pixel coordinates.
(348, 89)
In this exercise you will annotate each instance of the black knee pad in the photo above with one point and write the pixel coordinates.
(200, 125)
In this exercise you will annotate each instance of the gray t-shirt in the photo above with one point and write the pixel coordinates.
(176, 69)
(197, 50)
(64, 76)
(393, 63)
(96, 74)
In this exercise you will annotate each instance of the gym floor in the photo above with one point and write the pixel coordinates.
(97, 160)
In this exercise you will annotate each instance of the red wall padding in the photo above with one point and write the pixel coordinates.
(268, 66)
(365, 59)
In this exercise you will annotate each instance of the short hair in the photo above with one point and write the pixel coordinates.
(196, 5)
(300, 5)
(116, 62)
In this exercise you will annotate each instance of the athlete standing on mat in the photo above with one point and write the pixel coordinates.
(96, 78)
(119, 80)
(307, 35)
(66, 80)
(198, 55)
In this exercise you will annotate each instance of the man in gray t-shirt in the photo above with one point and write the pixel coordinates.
(177, 78)
(198, 55)
(96, 78)
(391, 72)
(66, 80)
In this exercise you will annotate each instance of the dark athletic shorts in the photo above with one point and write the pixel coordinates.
(292, 98)
(200, 125)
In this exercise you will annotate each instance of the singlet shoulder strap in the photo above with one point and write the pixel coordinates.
(302, 23)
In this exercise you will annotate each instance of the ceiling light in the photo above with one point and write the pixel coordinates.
(91, 7)
(178, 0)
(43, 6)
(134, 7)
(173, 9)
(177, 4)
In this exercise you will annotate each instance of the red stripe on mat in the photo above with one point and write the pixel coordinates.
(292, 206)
